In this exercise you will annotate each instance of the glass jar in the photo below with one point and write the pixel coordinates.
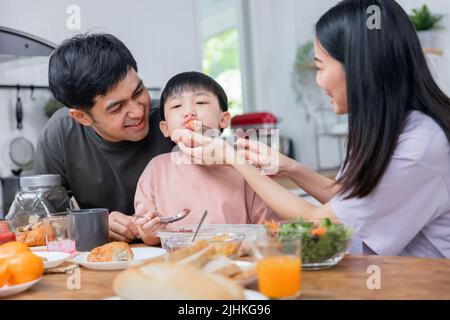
(38, 197)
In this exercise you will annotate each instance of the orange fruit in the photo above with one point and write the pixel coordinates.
(189, 124)
(4, 274)
(24, 267)
(10, 249)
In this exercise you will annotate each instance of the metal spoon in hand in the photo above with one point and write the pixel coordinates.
(177, 217)
(166, 220)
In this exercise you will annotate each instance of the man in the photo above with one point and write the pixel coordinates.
(101, 143)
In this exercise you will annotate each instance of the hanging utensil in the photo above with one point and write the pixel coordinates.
(21, 150)
(32, 97)
(19, 110)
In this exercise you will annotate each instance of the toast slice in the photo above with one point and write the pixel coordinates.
(172, 281)
(200, 258)
(176, 255)
(223, 266)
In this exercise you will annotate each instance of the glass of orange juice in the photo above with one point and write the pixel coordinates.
(279, 268)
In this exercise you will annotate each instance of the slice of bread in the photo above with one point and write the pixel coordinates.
(173, 281)
(176, 255)
(199, 258)
(185, 252)
(222, 265)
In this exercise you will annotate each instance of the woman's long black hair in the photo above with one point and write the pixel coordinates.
(387, 77)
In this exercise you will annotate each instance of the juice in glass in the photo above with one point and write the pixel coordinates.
(279, 276)
(279, 269)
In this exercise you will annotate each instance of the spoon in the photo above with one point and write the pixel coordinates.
(200, 224)
(166, 220)
(177, 217)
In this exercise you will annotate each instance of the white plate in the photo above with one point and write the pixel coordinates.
(139, 254)
(54, 259)
(249, 295)
(39, 248)
(254, 295)
(18, 288)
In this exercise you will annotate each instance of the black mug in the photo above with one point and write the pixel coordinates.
(91, 228)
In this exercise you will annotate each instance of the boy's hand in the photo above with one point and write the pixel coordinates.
(148, 226)
(122, 227)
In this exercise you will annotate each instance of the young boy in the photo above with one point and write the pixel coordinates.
(167, 187)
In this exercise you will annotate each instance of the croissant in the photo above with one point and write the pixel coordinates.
(34, 237)
(113, 251)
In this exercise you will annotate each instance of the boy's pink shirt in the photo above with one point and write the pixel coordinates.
(166, 187)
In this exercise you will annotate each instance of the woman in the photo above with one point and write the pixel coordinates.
(393, 188)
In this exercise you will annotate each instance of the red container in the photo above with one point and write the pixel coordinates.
(5, 233)
(267, 122)
(256, 120)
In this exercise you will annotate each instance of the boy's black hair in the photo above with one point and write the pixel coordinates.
(192, 81)
(87, 66)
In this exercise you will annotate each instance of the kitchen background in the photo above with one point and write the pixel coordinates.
(249, 46)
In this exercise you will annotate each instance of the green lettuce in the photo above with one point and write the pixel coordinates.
(316, 248)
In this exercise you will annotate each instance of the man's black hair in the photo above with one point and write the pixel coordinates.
(87, 66)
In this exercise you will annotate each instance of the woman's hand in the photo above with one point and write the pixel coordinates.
(205, 150)
(263, 157)
(148, 226)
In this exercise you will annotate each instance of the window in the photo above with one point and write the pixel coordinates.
(222, 39)
(221, 61)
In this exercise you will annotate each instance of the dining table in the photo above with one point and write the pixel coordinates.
(367, 277)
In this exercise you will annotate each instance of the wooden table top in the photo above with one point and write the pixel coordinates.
(401, 278)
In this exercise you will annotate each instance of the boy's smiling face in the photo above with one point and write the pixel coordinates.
(200, 105)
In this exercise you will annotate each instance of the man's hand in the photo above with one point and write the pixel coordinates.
(122, 227)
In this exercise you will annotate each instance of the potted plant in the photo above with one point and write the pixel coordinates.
(303, 77)
(426, 23)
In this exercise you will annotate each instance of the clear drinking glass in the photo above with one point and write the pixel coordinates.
(279, 267)
(60, 233)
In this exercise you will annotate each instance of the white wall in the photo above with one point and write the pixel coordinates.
(162, 35)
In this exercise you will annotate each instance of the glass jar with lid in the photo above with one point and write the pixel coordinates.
(38, 197)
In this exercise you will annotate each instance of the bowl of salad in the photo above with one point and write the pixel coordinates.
(324, 243)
